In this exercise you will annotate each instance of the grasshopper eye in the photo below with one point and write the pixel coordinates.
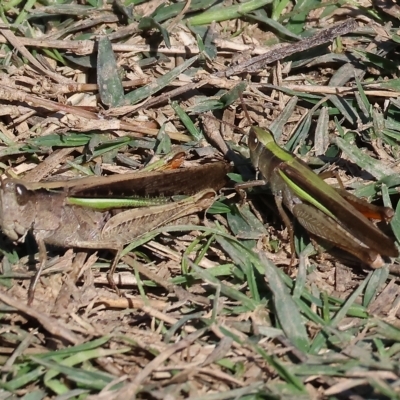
(22, 194)
(252, 141)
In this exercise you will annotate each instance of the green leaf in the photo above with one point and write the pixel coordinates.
(147, 23)
(108, 80)
(375, 167)
(286, 309)
(146, 91)
(223, 13)
(185, 119)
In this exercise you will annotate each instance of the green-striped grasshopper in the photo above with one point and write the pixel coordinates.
(334, 215)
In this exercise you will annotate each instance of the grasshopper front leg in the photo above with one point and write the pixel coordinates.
(42, 262)
(240, 188)
(282, 196)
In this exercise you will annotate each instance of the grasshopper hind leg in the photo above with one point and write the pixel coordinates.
(322, 226)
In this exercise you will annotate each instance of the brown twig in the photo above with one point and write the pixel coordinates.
(12, 94)
(260, 62)
(17, 43)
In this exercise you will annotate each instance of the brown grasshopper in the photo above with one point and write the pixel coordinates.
(48, 214)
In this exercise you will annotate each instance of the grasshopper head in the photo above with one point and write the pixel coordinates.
(264, 152)
(255, 147)
(258, 140)
(263, 136)
(15, 218)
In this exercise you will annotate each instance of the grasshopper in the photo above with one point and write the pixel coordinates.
(333, 215)
(67, 218)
